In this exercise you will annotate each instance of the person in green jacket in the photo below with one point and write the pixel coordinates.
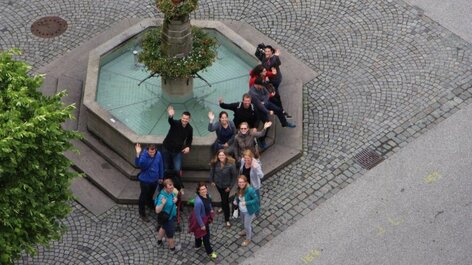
(248, 202)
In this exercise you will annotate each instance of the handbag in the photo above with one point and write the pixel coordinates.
(162, 217)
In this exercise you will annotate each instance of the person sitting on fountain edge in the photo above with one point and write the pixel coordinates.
(178, 140)
(260, 99)
(244, 111)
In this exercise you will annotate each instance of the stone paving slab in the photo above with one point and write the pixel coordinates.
(90, 196)
(387, 75)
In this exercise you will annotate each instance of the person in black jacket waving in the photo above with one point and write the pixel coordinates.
(178, 140)
(244, 111)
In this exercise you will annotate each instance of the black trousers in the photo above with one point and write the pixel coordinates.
(224, 202)
(206, 241)
(145, 197)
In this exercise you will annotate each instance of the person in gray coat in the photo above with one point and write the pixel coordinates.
(223, 174)
(245, 139)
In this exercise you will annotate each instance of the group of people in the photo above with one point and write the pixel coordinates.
(236, 159)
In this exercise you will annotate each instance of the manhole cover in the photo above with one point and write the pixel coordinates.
(368, 158)
(49, 27)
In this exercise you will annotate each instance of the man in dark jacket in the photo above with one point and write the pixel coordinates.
(178, 140)
(244, 111)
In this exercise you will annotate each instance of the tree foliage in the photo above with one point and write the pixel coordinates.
(34, 173)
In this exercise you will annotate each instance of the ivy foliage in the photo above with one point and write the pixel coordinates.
(173, 10)
(203, 54)
(34, 173)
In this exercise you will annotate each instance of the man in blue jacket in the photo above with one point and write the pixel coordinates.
(151, 175)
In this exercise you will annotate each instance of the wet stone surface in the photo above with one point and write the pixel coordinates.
(387, 75)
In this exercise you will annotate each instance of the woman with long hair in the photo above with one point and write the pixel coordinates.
(201, 218)
(223, 174)
(225, 131)
(247, 201)
(251, 168)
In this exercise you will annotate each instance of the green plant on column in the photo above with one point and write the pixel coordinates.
(177, 51)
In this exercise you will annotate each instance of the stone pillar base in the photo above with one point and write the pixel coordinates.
(179, 90)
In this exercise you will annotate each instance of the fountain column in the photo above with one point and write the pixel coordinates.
(177, 42)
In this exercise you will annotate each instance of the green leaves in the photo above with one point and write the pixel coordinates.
(203, 54)
(34, 175)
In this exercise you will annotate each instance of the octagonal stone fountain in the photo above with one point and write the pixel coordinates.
(123, 113)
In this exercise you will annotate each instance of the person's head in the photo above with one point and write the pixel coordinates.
(242, 184)
(221, 156)
(185, 119)
(269, 51)
(202, 189)
(168, 185)
(223, 117)
(244, 127)
(248, 156)
(246, 100)
(258, 70)
(151, 149)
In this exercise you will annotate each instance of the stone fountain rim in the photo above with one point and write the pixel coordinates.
(94, 66)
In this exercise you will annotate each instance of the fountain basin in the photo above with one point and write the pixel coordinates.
(122, 114)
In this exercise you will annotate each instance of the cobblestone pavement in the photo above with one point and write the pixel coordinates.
(388, 74)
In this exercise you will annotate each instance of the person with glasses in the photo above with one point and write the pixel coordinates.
(200, 220)
(245, 139)
(152, 174)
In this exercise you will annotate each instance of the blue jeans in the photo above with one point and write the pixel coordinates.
(172, 160)
(258, 193)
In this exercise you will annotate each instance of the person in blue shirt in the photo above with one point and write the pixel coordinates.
(166, 201)
(152, 173)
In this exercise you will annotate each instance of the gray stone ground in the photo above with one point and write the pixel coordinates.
(388, 74)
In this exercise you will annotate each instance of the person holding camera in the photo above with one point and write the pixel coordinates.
(269, 58)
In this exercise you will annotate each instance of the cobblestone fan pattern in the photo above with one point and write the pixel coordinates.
(388, 74)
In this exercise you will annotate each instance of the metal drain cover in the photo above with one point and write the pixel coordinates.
(49, 27)
(368, 158)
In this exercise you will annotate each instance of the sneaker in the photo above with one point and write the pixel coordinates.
(213, 255)
(288, 116)
(219, 210)
(160, 243)
(176, 248)
(242, 233)
(290, 125)
(245, 243)
(144, 218)
(197, 248)
(228, 224)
